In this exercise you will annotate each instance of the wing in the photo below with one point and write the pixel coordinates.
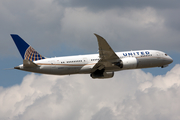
(108, 57)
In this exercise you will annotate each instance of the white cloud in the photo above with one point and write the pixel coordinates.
(164, 82)
(131, 95)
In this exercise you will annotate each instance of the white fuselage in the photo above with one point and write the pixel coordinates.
(83, 64)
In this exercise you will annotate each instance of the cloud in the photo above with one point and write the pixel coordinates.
(101, 5)
(131, 94)
(119, 27)
(62, 25)
(34, 20)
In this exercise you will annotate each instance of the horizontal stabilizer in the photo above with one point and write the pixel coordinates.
(29, 64)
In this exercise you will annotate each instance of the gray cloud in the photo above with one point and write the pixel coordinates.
(129, 95)
(104, 114)
(171, 19)
(39, 21)
(124, 28)
(101, 4)
(64, 26)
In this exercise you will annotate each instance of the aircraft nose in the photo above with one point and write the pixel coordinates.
(170, 60)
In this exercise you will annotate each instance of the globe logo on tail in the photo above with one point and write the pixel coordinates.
(32, 55)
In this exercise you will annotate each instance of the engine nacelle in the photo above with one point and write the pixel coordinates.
(129, 63)
(102, 74)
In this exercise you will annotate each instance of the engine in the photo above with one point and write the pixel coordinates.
(101, 74)
(129, 63)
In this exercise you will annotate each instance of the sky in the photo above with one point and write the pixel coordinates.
(66, 27)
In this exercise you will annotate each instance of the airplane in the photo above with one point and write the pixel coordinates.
(99, 66)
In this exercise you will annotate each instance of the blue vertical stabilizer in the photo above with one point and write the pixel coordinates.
(26, 51)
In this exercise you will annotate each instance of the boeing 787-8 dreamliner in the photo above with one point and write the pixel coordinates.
(102, 65)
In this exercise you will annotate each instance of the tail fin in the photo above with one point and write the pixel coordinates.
(26, 51)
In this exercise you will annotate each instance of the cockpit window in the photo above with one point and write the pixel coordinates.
(166, 55)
